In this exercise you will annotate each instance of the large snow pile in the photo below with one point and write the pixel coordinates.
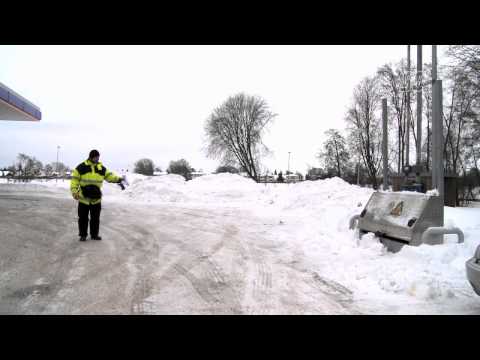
(168, 188)
(133, 178)
(218, 188)
(317, 196)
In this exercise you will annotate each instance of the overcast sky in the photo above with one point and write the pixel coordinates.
(131, 102)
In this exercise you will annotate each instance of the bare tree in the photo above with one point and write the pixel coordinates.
(364, 126)
(465, 61)
(28, 166)
(335, 154)
(458, 113)
(181, 167)
(48, 170)
(144, 166)
(393, 83)
(226, 169)
(59, 167)
(427, 108)
(467, 58)
(234, 132)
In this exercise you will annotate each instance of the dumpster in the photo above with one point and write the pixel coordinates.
(404, 218)
(473, 271)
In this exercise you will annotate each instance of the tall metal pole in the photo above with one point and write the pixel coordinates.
(385, 144)
(419, 104)
(437, 140)
(408, 106)
(434, 119)
(288, 163)
(56, 165)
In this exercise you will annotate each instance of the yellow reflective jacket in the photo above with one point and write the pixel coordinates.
(87, 181)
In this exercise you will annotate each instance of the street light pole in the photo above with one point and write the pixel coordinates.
(419, 105)
(56, 164)
(385, 144)
(408, 107)
(288, 163)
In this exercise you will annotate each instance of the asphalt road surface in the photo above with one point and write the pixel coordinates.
(159, 259)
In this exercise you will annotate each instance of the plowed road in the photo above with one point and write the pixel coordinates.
(153, 259)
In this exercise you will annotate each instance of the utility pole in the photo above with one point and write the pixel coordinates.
(385, 145)
(288, 163)
(434, 119)
(437, 140)
(419, 105)
(408, 107)
(437, 128)
(56, 164)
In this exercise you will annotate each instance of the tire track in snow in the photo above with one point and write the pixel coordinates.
(206, 277)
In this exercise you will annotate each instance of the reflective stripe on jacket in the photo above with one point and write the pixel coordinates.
(88, 174)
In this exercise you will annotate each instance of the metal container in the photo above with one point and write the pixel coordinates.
(404, 218)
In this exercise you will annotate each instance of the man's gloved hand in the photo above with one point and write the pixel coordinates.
(76, 196)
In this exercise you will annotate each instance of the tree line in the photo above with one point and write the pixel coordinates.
(27, 166)
(359, 151)
(147, 167)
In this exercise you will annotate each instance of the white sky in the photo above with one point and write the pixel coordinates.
(131, 102)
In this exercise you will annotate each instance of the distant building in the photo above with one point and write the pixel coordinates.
(267, 178)
(292, 178)
(196, 174)
(4, 173)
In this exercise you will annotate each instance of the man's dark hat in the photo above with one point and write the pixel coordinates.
(93, 154)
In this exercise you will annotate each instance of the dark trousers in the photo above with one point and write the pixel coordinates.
(94, 211)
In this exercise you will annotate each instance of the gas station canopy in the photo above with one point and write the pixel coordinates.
(17, 108)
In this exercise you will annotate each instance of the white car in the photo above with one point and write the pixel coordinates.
(473, 271)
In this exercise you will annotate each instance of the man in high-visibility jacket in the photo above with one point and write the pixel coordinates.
(86, 185)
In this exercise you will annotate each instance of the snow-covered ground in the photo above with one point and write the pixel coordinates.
(311, 220)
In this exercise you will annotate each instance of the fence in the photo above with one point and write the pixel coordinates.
(26, 179)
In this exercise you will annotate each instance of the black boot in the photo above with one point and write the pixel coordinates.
(96, 237)
(83, 238)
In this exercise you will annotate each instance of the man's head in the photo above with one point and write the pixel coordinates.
(94, 156)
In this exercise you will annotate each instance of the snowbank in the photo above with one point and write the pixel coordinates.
(315, 217)
(215, 189)
(218, 188)
(169, 188)
(60, 187)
